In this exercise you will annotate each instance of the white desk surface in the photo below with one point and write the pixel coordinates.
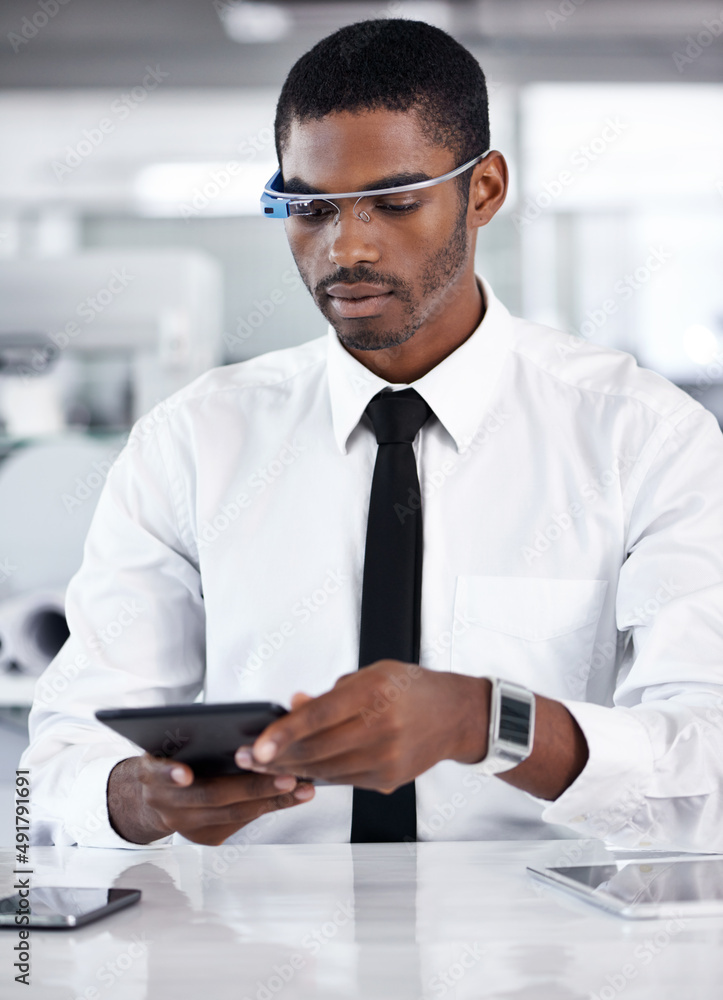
(388, 922)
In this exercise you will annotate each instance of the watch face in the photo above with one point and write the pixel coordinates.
(514, 720)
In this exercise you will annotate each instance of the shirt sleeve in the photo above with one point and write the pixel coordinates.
(655, 770)
(137, 637)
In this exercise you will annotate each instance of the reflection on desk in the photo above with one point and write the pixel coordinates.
(404, 922)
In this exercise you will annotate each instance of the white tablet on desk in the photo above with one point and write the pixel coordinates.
(645, 888)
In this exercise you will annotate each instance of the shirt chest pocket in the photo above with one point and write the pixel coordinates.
(536, 632)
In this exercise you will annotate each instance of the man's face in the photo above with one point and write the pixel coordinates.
(376, 282)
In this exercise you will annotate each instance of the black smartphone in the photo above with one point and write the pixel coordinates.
(62, 907)
(205, 737)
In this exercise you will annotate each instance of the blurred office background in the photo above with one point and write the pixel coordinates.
(134, 142)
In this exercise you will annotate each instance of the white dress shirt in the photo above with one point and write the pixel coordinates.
(573, 543)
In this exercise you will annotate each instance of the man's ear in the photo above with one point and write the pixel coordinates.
(487, 189)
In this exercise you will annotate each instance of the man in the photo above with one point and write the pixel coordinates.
(571, 508)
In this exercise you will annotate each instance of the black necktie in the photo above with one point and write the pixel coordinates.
(392, 586)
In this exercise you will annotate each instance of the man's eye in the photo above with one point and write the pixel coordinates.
(397, 207)
(321, 210)
(315, 211)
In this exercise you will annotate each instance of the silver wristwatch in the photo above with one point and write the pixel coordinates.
(512, 727)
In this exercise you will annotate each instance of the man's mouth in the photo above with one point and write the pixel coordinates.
(358, 299)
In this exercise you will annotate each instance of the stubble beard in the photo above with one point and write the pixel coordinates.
(438, 274)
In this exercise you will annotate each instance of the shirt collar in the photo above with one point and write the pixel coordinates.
(458, 389)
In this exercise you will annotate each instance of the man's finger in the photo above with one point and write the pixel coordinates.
(182, 775)
(330, 709)
(172, 771)
(324, 747)
(215, 831)
(341, 770)
(218, 792)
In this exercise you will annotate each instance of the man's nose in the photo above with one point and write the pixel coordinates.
(352, 240)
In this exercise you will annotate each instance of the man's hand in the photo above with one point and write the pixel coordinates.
(378, 728)
(150, 798)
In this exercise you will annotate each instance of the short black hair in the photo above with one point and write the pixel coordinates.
(398, 65)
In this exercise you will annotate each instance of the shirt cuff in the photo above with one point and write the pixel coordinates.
(610, 788)
(87, 820)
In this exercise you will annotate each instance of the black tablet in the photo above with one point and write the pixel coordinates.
(205, 737)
